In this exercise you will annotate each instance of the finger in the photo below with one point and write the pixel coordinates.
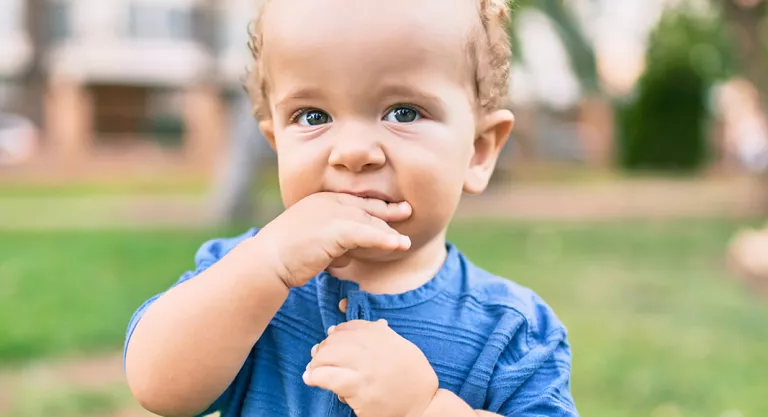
(344, 236)
(341, 381)
(333, 336)
(351, 325)
(377, 223)
(365, 333)
(338, 352)
(356, 236)
(389, 212)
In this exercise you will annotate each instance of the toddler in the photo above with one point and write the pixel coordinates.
(351, 302)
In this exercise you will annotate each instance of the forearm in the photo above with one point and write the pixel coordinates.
(448, 404)
(192, 341)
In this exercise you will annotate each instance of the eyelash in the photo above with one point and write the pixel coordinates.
(298, 113)
(413, 107)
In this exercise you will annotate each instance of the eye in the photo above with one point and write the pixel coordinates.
(402, 114)
(313, 118)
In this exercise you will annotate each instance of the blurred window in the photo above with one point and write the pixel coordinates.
(150, 21)
(11, 17)
(59, 19)
(232, 23)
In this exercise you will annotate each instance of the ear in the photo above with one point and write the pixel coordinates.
(267, 128)
(493, 132)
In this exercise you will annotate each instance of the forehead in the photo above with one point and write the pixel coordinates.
(359, 39)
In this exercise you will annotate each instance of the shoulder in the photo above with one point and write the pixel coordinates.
(516, 309)
(527, 355)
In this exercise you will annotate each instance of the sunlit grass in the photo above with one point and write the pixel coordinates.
(658, 327)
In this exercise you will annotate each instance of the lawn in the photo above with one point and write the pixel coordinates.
(102, 188)
(172, 184)
(658, 328)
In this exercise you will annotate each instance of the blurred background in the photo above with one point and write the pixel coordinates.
(632, 195)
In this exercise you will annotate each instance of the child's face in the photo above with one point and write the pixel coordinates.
(378, 98)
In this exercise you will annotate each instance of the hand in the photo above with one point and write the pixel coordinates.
(374, 370)
(322, 228)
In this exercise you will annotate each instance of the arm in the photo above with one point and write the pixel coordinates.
(545, 391)
(535, 384)
(192, 342)
(366, 364)
(447, 404)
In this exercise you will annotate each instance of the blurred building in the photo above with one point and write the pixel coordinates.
(15, 48)
(157, 76)
(129, 74)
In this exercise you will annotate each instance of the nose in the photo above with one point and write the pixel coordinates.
(356, 149)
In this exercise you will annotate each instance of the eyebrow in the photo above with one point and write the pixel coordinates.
(310, 93)
(399, 90)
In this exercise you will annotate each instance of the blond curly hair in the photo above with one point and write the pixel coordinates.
(489, 52)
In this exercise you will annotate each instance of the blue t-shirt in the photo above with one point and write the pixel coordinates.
(492, 342)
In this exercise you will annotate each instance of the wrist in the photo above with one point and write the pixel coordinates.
(435, 405)
(268, 262)
(446, 403)
(250, 263)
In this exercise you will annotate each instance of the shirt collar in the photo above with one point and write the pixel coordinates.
(330, 285)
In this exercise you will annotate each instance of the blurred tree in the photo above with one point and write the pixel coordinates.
(747, 22)
(34, 77)
(581, 53)
(248, 149)
(204, 23)
(664, 127)
(232, 197)
(596, 106)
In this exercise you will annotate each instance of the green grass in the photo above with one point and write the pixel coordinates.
(91, 188)
(61, 293)
(69, 402)
(658, 328)
(111, 187)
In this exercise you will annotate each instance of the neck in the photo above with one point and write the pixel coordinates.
(416, 268)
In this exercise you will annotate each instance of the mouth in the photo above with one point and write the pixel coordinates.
(373, 194)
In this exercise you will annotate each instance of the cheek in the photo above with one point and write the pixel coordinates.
(436, 186)
(434, 182)
(300, 175)
(434, 195)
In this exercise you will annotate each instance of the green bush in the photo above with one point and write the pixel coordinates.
(664, 125)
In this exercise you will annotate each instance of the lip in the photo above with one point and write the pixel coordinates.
(372, 194)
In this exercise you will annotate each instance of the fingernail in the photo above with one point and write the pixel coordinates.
(384, 322)
(313, 352)
(405, 241)
(307, 368)
(331, 329)
(305, 377)
(393, 240)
